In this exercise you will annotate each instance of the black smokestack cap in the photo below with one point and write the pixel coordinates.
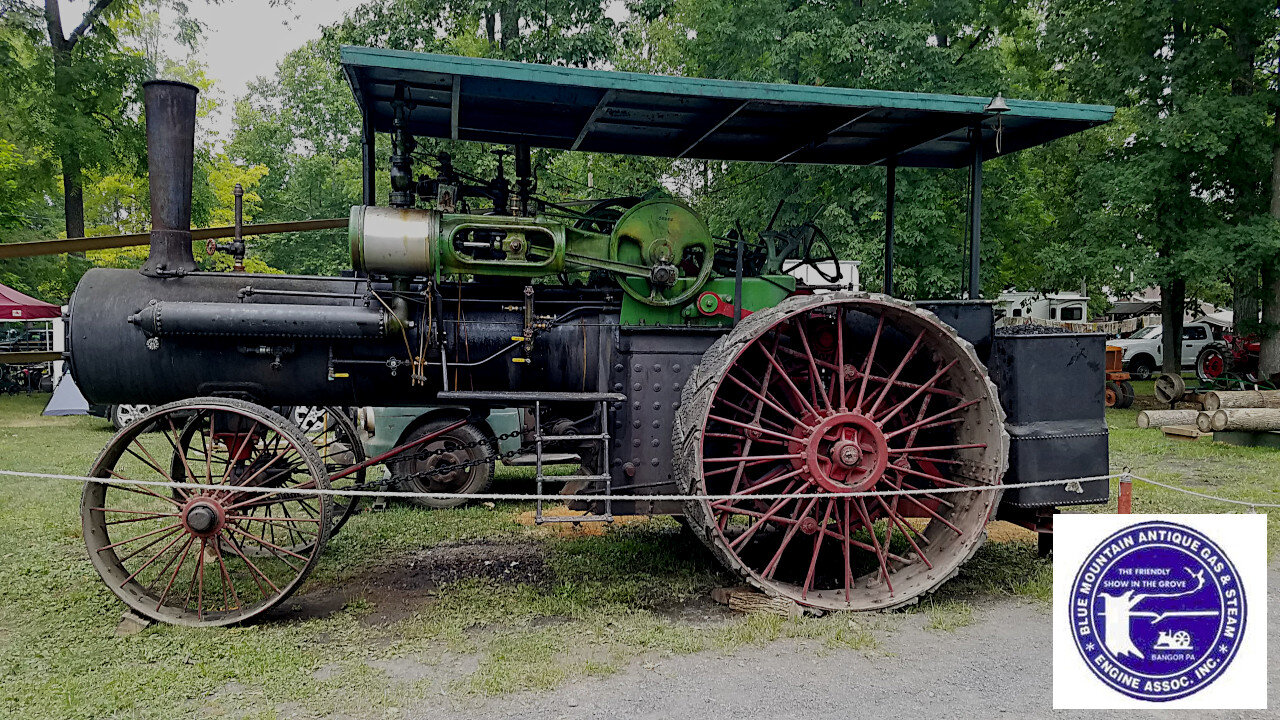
(171, 133)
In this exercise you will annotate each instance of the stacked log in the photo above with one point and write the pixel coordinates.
(1160, 418)
(1224, 399)
(1245, 419)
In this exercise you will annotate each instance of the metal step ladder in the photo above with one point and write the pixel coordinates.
(536, 398)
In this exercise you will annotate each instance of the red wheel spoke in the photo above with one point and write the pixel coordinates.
(814, 379)
(264, 543)
(931, 382)
(756, 488)
(925, 459)
(153, 558)
(754, 415)
(233, 455)
(763, 397)
(818, 537)
(866, 370)
(185, 551)
(246, 482)
(179, 452)
(756, 428)
(191, 586)
(906, 531)
(902, 364)
(175, 526)
(226, 580)
(140, 490)
(763, 518)
(933, 513)
(927, 476)
(790, 521)
(786, 378)
(150, 461)
(931, 418)
(731, 436)
(938, 424)
(271, 498)
(204, 443)
(200, 572)
(766, 458)
(875, 542)
(905, 385)
(291, 519)
(936, 448)
(839, 387)
(143, 515)
(772, 567)
(848, 565)
(236, 547)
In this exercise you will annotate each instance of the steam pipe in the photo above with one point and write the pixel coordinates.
(171, 129)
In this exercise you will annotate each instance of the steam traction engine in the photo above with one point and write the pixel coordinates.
(671, 361)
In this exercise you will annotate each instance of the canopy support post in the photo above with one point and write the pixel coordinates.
(369, 182)
(890, 200)
(975, 214)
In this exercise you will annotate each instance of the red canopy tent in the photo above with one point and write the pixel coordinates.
(16, 306)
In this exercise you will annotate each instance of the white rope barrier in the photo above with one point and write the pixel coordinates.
(1066, 482)
(534, 497)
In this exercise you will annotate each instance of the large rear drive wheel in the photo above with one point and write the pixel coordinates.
(842, 392)
(206, 557)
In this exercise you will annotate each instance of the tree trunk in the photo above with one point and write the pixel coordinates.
(491, 27)
(1269, 358)
(1244, 303)
(72, 192)
(68, 151)
(510, 24)
(1173, 296)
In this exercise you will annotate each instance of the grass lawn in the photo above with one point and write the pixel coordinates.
(583, 604)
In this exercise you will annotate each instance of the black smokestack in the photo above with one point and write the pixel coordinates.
(171, 132)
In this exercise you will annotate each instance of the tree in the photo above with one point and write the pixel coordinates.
(71, 102)
(1187, 162)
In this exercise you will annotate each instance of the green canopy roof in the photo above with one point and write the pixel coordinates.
(566, 108)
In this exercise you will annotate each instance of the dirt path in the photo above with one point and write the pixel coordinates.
(1000, 666)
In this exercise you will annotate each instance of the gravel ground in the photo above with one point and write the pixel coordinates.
(1000, 666)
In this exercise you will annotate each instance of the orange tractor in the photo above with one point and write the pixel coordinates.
(1119, 392)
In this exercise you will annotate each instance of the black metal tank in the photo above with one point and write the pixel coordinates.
(280, 340)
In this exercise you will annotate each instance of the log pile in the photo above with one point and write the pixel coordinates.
(1235, 410)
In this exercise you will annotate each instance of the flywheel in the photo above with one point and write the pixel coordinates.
(841, 393)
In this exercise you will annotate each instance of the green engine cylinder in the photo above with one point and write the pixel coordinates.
(660, 251)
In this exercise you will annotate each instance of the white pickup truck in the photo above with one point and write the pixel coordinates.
(1144, 350)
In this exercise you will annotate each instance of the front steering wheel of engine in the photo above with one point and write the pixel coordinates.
(666, 238)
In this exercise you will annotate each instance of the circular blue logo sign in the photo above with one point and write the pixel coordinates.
(1157, 611)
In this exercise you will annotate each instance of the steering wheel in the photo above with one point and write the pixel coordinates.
(815, 236)
(666, 240)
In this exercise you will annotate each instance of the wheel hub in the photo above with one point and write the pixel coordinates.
(841, 451)
(1213, 365)
(203, 516)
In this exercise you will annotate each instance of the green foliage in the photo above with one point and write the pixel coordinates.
(1176, 188)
